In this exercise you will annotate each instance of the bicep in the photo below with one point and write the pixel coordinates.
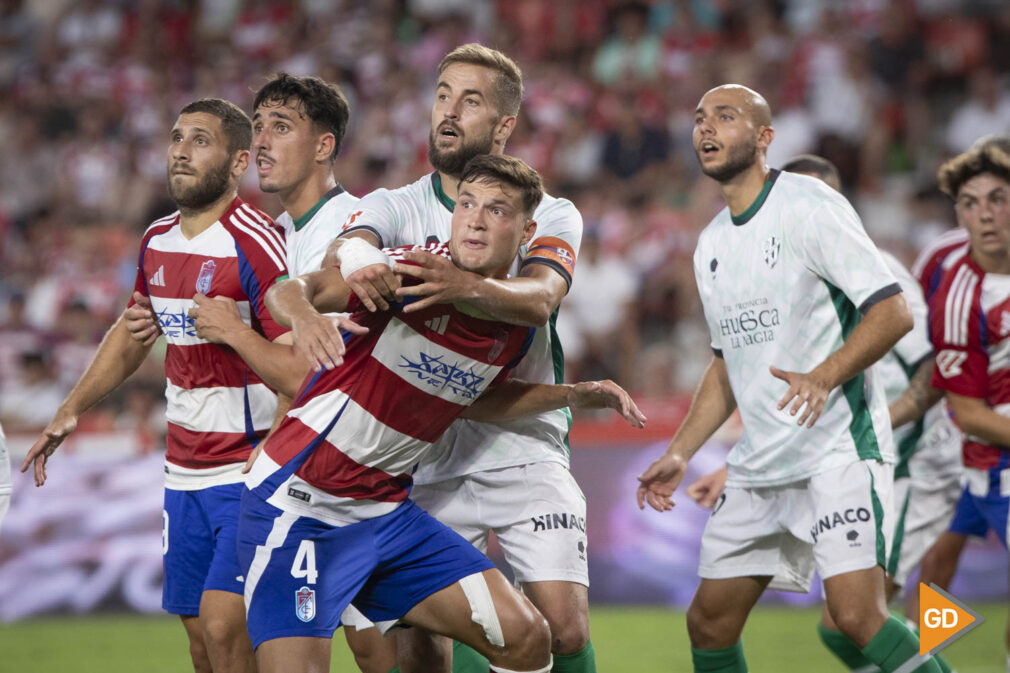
(554, 284)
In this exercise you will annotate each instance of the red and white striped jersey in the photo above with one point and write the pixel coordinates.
(928, 265)
(970, 331)
(218, 409)
(348, 445)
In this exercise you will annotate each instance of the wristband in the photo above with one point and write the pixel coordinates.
(355, 253)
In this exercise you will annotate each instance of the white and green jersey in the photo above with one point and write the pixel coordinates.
(421, 212)
(898, 365)
(784, 285)
(309, 236)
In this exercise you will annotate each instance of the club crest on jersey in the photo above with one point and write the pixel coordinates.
(772, 247)
(206, 276)
(305, 604)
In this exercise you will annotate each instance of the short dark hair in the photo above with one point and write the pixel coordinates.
(812, 164)
(508, 86)
(986, 158)
(235, 123)
(510, 170)
(322, 103)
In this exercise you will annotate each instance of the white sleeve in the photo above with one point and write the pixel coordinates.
(703, 270)
(914, 346)
(836, 248)
(378, 213)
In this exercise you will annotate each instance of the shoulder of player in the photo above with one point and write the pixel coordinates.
(160, 226)
(254, 231)
(939, 250)
(553, 208)
(407, 193)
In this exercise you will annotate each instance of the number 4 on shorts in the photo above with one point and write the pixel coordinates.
(305, 562)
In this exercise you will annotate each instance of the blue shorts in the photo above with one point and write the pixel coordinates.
(302, 572)
(198, 545)
(975, 515)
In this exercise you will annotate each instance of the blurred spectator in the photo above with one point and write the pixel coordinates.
(30, 402)
(631, 146)
(597, 318)
(632, 54)
(986, 111)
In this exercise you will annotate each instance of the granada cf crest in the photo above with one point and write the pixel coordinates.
(305, 604)
(206, 277)
(772, 247)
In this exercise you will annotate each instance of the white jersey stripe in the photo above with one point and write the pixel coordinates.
(954, 307)
(213, 409)
(258, 237)
(948, 311)
(177, 326)
(962, 305)
(278, 533)
(272, 233)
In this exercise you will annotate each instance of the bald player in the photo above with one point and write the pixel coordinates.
(799, 303)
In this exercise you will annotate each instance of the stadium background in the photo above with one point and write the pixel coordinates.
(89, 89)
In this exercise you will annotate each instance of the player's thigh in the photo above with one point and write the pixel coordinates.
(187, 546)
(419, 649)
(482, 610)
(927, 514)
(301, 573)
(373, 652)
(538, 513)
(294, 655)
(857, 603)
(453, 502)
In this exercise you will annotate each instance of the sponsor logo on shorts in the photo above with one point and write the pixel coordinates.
(829, 521)
(305, 604)
(582, 550)
(301, 495)
(557, 521)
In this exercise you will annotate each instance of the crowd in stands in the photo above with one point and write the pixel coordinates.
(89, 89)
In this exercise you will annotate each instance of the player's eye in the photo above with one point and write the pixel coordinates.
(282, 128)
(442, 97)
(726, 118)
(497, 212)
(472, 102)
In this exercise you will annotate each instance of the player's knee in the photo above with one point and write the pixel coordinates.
(708, 628)
(221, 634)
(527, 640)
(857, 622)
(571, 635)
(198, 654)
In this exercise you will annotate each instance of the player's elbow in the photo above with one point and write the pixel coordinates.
(903, 317)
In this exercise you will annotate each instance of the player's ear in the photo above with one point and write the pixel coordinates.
(504, 128)
(324, 148)
(239, 162)
(528, 231)
(765, 136)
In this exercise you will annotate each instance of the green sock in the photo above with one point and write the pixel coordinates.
(583, 661)
(465, 659)
(723, 660)
(394, 669)
(894, 646)
(843, 648)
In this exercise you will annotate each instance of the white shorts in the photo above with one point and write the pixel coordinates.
(537, 512)
(923, 510)
(351, 616)
(835, 522)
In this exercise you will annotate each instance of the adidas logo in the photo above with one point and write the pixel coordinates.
(438, 324)
(158, 278)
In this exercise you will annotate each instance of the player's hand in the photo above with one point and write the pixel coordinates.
(606, 395)
(140, 321)
(252, 458)
(375, 285)
(442, 282)
(214, 318)
(806, 391)
(54, 434)
(706, 490)
(658, 483)
(318, 338)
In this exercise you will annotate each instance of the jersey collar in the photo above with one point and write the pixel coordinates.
(752, 209)
(304, 219)
(436, 184)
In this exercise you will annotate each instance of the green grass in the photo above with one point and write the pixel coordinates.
(639, 640)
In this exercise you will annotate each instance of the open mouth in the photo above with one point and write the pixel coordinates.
(448, 131)
(264, 163)
(709, 148)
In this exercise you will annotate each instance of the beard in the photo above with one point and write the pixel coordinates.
(208, 188)
(451, 162)
(739, 158)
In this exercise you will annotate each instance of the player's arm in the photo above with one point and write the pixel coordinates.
(713, 403)
(299, 303)
(515, 399)
(882, 325)
(528, 299)
(118, 356)
(217, 319)
(975, 417)
(917, 399)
